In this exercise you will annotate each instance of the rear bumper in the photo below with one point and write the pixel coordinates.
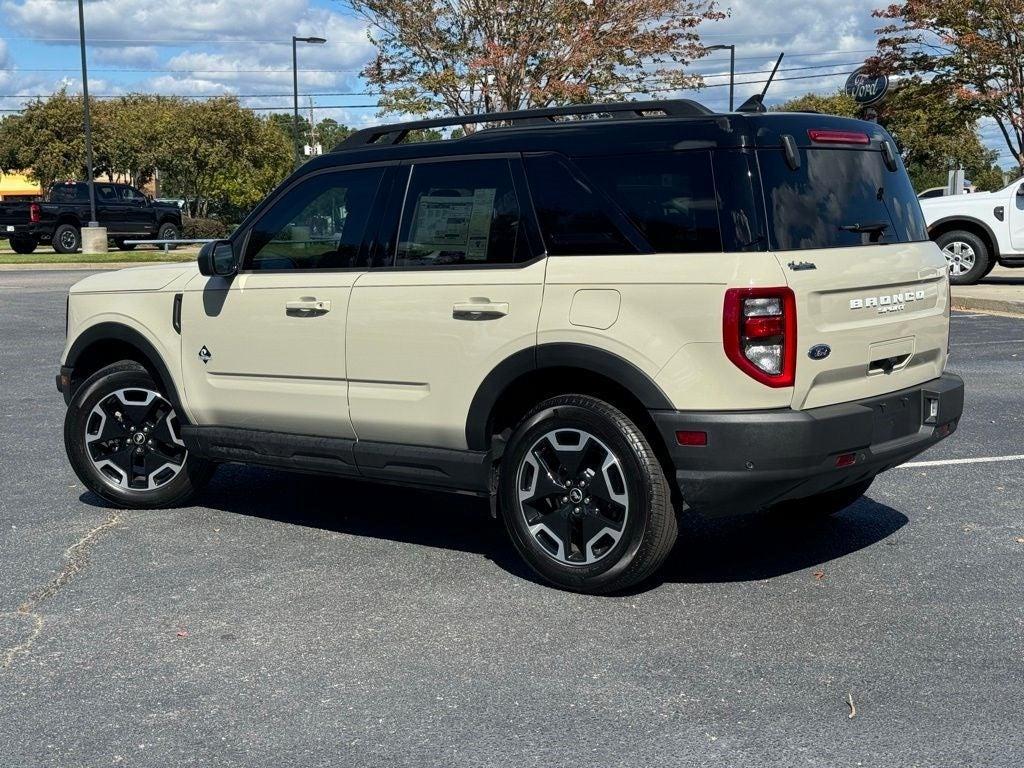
(754, 459)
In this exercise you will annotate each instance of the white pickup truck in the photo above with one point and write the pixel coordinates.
(978, 231)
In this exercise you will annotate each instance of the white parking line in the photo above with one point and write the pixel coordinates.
(997, 341)
(981, 460)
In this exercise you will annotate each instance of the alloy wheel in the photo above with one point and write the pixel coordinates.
(960, 257)
(132, 438)
(68, 239)
(573, 496)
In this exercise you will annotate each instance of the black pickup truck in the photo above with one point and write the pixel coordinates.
(58, 220)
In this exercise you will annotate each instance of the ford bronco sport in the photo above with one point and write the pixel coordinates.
(592, 322)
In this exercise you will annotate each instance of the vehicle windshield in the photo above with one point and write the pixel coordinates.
(838, 198)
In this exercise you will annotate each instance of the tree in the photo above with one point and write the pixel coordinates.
(472, 56)
(215, 152)
(972, 51)
(46, 139)
(931, 134)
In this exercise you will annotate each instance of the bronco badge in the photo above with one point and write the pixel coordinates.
(205, 355)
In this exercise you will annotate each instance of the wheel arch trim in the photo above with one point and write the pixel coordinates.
(115, 331)
(993, 241)
(556, 355)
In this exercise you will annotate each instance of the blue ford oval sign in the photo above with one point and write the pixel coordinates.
(866, 89)
(819, 351)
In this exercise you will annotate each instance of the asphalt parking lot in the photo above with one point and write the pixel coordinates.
(302, 621)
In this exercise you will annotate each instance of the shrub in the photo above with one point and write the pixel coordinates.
(204, 229)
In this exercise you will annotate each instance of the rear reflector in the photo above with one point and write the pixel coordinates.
(846, 459)
(838, 137)
(688, 437)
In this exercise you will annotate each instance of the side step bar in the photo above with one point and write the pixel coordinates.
(438, 468)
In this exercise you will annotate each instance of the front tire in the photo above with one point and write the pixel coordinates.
(122, 437)
(584, 498)
(67, 239)
(24, 245)
(966, 255)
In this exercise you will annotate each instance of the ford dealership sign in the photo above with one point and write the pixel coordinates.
(867, 89)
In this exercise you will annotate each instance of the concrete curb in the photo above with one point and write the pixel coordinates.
(979, 304)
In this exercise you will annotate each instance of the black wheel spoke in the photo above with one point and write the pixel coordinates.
(573, 496)
(131, 441)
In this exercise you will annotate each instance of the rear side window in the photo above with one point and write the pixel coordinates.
(668, 196)
(574, 219)
(837, 198)
(461, 212)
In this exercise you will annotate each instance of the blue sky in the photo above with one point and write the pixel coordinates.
(208, 47)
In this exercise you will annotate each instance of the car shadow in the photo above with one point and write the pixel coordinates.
(747, 548)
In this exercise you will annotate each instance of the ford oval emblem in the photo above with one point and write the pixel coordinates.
(819, 351)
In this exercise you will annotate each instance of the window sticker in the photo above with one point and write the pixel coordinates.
(446, 224)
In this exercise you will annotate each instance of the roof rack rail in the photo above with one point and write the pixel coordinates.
(387, 135)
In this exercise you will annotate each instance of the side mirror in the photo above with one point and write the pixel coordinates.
(217, 258)
(1020, 191)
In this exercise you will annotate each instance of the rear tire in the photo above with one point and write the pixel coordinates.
(23, 244)
(67, 239)
(584, 498)
(122, 437)
(966, 255)
(824, 504)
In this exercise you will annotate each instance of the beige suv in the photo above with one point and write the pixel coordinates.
(594, 316)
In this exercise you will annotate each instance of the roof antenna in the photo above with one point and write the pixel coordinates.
(756, 102)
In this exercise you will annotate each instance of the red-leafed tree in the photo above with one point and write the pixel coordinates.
(973, 50)
(471, 56)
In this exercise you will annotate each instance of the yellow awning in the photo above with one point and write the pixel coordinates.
(18, 184)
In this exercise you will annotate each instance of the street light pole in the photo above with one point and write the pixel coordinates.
(88, 123)
(295, 88)
(732, 69)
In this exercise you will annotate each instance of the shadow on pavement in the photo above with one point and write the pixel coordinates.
(746, 548)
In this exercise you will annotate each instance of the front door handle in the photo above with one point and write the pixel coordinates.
(477, 309)
(307, 307)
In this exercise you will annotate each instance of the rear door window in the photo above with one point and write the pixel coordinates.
(838, 198)
(668, 196)
(574, 219)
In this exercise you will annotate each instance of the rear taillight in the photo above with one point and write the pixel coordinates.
(34, 213)
(759, 333)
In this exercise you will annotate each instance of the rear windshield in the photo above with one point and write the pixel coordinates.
(836, 198)
(62, 193)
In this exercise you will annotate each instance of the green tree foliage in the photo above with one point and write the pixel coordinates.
(214, 154)
(932, 134)
(470, 56)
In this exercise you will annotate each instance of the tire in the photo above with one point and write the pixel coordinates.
(824, 504)
(23, 244)
(168, 231)
(625, 527)
(67, 239)
(967, 256)
(123, 246)
(142, 467)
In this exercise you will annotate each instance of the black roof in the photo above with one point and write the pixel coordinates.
(620, 128)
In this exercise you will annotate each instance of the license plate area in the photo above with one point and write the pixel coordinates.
(896, 417)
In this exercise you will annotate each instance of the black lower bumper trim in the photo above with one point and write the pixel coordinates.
(754, 459)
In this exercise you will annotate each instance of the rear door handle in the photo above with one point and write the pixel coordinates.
(307, 307)
(480, 310)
